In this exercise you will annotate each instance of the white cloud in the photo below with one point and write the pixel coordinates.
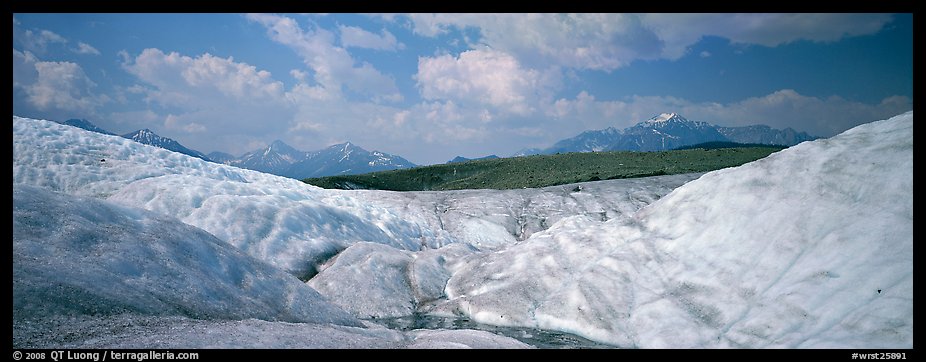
(84, 48)
(704, 54)
(54, 86)
(212, 103)
(609, 41)
(333, 66)
(678, 31)
(38, 41)
(177, 77)
(584, 41)
(445, 122)
(399, 118)
(352, 36)
(24, 72)
(432, 24)
(176, 122)
(298, 75)
(479, 78)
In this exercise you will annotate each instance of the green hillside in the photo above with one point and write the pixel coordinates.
(546, 170)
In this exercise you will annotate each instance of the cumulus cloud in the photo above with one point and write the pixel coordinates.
(333, 66)
(84, 48)
(24, 72)
(479, 77)
(583, 41)
(352, 36)
(609, 41)
(443, 122)
(678, 31)
(171, 72)
(177, 123)
(320, 120)
(57, 87)
(214, 103)
(228, 102)
(38, 41)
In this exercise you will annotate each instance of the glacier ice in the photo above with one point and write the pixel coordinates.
(88, 273)
(282, 221)
(76, 255)
(810, 247)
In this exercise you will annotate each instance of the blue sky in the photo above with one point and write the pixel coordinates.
(429, 87)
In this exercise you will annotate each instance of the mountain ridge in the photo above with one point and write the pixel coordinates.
(277, 158)
(668, 131)
(464, 159)
(148, 137)
(345, 158)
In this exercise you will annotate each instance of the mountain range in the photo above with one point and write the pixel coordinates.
(85, 124)
(278, 158)
(146, 136)
(464, 159)
(669, 131)
(666, 131)
(341, 159)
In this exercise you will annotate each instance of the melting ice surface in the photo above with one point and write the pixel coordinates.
(810, 247)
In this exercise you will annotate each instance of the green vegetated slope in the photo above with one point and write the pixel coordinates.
(546, 170)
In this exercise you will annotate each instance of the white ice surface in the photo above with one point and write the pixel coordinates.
(788, 251)
(378, 281)
(129, 331)
(74, 255)
(292, 225)
(88, 273)
(811, 247)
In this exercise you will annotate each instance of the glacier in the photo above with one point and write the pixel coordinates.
(810, 247)
(90, 273)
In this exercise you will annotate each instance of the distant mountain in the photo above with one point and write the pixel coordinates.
(85, 124)
(665, 132)
(220, 157)
(345, 159)
(765, 135)
(276, 158)
(588, 141)
(669, 131)
(464, 159)
(342, 159)
(146, 136)
(716, 145)
(527, 152)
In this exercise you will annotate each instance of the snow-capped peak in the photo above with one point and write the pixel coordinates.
(148, 137)
(148, 134)
(664, 117)
(278, 147)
